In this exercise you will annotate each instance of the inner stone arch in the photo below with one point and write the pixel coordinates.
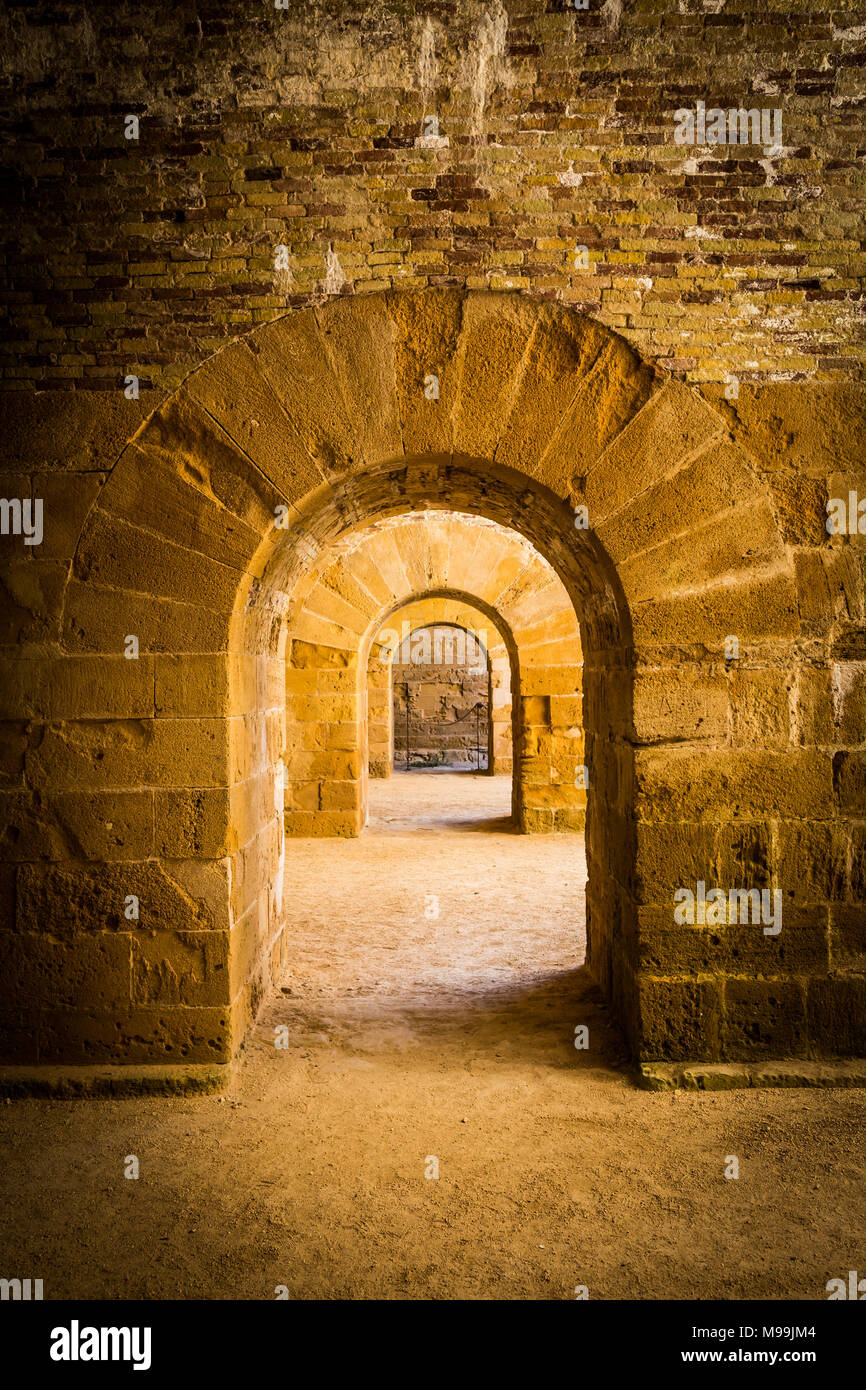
(441, 697)
(439, 619)
(575, 570)
(421, 558)
(443, 670)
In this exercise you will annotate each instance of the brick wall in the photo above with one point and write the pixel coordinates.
(304, 129)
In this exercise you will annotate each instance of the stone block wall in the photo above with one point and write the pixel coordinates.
(691, 748)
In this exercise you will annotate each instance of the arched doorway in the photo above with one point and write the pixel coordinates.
(319, 424)
(475, 669)
(416, 567)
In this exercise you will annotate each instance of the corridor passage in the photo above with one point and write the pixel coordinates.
(438, 918)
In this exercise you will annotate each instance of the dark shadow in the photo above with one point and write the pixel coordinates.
(525, 1022)
(470, 802)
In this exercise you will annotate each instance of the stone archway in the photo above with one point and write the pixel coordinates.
(214, 512)
(354, 588)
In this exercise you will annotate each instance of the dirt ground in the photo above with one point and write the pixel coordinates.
(414, 1037)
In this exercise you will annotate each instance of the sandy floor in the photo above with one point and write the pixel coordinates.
(414, 1036)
